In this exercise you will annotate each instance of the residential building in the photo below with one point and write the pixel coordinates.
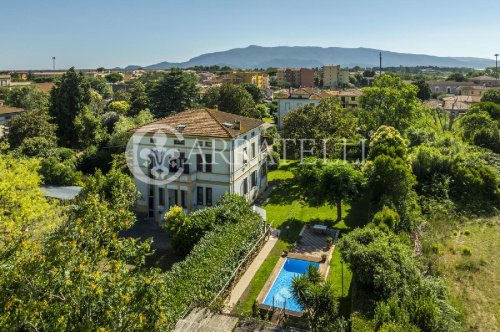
(47, 74)
(292, 99)
(20, 75)
(5, 80)
(487, 81)
(474, 90)
(350, 98)
(334, 76)
(448, 87)
(231, 78)
(260, 79)
(7, 113)
(295, 77)
(218, 153)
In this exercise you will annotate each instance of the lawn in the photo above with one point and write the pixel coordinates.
(286, 212)
(268, 119)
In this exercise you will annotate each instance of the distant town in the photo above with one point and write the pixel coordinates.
(213, 198)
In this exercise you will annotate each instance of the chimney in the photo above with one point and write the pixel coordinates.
(237, 125)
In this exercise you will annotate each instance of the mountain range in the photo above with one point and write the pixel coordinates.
(310, 56)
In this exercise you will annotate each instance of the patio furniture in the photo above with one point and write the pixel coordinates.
(320, 229)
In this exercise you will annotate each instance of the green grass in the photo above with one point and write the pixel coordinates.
(342, 287)
(286, 212)
(472, 280)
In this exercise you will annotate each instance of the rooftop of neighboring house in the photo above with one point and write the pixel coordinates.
(474, 87)
(9, 110)
(45, 87)
(433, 103)
(455, 105)
(462, 99)
(451, 83)
(315, 94)
(64, 193)
(459, 103)
(203, 122)
(47, 73)
(482, 78)
(351, 93)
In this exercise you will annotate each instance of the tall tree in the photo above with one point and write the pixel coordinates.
(492, 95)
(329, 182)
(424, 90)
(231, 98)
(389, 101)
(100, 85)
(68, 98)
(31, 124)
(28, 98)
(254, 91)
(139, 99)
(327, 121)
(175, 91)
(114, 77)
(88, 129)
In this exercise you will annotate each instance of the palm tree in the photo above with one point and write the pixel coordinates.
(316, 297)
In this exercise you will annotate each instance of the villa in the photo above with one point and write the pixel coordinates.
(213, 153)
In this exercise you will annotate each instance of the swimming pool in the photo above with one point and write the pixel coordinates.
(281, 290)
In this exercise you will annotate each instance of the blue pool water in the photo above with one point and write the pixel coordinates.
(281, 289)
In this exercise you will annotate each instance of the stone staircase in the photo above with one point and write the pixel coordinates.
(202, 319)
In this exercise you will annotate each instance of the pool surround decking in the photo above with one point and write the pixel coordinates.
(311, 247)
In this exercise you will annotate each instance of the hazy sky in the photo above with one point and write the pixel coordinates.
(109, 33)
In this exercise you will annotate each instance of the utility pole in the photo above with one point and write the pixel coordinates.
(380, 67)
(496, 66)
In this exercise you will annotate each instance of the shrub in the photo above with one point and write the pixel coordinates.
(201, 276)
(437, 248)
(466, 251)
(467, 232)
(60, 173)
(229, 209)
(468, 264)
(386, 218)
(273, 160)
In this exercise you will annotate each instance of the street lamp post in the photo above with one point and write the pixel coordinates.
(342, 267)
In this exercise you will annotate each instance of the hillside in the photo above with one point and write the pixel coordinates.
(308, 56)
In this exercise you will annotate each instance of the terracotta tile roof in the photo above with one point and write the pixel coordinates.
(452, 105)
(351, 93)
(9, 110)
(463, 99)
(314, 94)
(45, 87)
(482, 78)
(203, 122)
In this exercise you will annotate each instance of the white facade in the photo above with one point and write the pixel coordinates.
(291, 103)
(228, 164)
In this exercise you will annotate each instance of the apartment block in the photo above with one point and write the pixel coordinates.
(295, 77)
(334, 77)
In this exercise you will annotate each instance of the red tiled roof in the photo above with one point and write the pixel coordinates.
(203, 122)
(9, 109)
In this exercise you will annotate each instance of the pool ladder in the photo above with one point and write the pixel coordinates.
(279, 313)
